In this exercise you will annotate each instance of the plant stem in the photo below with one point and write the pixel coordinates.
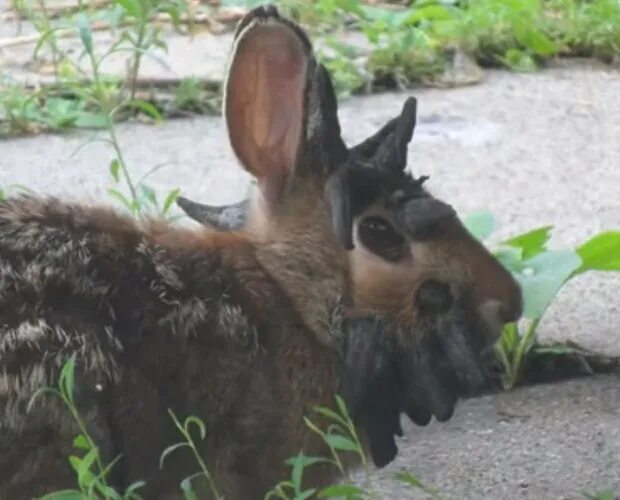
(136, 61)
(106, 108)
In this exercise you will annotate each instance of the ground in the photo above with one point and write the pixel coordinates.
(535, 149)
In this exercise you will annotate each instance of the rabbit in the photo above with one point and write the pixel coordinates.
(247, 329)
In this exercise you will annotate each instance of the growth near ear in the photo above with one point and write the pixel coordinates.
(387, 148)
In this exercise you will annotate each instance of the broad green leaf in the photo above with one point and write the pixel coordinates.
(511, 258)
(340, 490)
(532, 242)
(340, 442)
(533, 38)
(85, 32)
(132, 7)
(601, 253)
(480, 224)
(542, 278)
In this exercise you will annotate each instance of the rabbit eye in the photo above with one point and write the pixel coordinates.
(380, 237)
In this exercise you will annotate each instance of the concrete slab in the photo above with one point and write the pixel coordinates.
(542, 442)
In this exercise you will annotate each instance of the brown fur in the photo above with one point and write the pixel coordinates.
(160, 318)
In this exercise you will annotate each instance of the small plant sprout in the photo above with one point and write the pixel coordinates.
(89, 468)
(188, 442)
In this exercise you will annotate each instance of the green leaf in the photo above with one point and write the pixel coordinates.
(302, 495)
(188, 490)
(340, 442)
(88, 120)
(480, 224)
(601, 495)
(600, 253)
(511, 258)
(130, 492)
(115, 167)
(81, 442)
(85, 32)
(299, 463)
(408, 478)
(542, 278)
(342, 406)
(169, 450)
(533, 39)
(429, 13)
(144, 106)
(340, 490)
(45, 36)
(558, 350)
(66, 380)
(170, 199)
(518, 60)
(85, 464)
(532, 242)
(120, 197)
(198, 423)
(132, 7)
(332, 415)
(64, 495)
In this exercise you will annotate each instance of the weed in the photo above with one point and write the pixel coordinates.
(89, 468)
(341, 438)
(541, 273)
(188, 442)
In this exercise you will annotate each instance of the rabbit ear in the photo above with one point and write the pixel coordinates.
(279, 105)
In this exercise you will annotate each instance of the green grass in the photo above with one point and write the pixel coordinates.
(405, 46)
(340, 437)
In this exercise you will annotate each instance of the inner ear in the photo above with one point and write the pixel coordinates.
(264, 102)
